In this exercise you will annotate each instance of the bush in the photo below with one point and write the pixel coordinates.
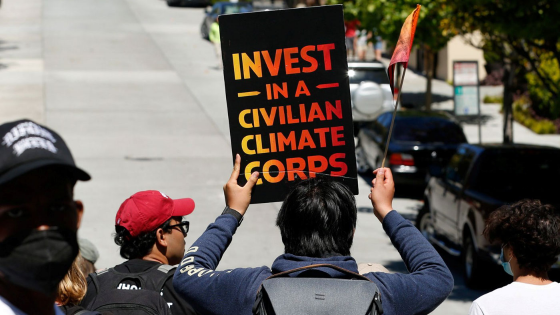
(522, 114)
(545, 104)
(493, 99)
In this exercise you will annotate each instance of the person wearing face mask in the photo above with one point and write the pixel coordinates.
(39, 217)
(529, 233)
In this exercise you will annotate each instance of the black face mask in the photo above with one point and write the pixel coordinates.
(38, 260)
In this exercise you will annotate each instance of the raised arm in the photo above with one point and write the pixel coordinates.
(196, 279)
(430, 281)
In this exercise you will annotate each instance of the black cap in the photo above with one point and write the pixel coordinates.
(26, 146)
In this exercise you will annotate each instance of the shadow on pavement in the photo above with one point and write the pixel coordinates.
(4, 46)
(417, 100)
(396, 266)
(473, 120)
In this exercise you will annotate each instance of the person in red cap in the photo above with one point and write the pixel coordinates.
(150, 231)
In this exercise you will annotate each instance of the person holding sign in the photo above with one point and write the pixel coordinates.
(307, 221)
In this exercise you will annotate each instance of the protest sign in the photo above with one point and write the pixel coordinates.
(288, 97)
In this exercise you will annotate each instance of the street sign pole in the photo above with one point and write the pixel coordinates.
(466, 92)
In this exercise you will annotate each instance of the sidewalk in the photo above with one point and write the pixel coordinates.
(21, 61)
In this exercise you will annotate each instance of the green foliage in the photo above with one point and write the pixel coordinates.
(530, 20)
(387, 17)
(544, 101)
(493, 99)
(524, 34)
(522, 115)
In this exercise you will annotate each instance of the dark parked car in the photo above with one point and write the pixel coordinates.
(188, 3)
(478, 180)
(419, 139)
(369, 89)
(222, 8)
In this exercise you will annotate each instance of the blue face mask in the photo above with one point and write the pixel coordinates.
(505, 264)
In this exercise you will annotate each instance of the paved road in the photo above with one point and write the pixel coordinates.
(134, 90)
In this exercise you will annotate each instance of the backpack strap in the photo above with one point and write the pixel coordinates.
(108, 278)
(153, 278)
(345, 271)
(166, 270)
(95, 282)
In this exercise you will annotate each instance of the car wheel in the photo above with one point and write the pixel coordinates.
(424, 222)
(472, 269)
(361, 161)
(204, 31)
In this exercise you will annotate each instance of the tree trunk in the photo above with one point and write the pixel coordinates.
(508, 103)
(429, 75)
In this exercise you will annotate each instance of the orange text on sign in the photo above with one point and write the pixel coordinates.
(274, 171)
(254, 118)
(306, 139)
(285, 61)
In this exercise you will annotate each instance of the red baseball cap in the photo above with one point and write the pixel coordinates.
(145, 211)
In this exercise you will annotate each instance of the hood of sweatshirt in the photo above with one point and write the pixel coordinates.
(289, 261)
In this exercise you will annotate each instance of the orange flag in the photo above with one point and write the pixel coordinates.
(404, 45)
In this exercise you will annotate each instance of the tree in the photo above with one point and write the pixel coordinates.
(387, 17)
(524, 35)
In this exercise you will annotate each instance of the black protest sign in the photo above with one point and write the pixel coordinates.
(288, 97)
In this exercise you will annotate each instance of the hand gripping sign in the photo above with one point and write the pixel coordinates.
(288, 97)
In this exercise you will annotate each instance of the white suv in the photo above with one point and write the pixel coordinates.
(369, 90)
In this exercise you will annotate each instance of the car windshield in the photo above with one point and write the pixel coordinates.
(427, 130)
(512, 175)
(358, 75)
(237, 8)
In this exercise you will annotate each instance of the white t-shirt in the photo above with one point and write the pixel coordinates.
(519, 298)
(6, 308)
(362, 38)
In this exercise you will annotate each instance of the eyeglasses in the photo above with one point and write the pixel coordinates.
(183, 226)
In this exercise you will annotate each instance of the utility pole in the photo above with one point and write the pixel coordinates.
(509, 75)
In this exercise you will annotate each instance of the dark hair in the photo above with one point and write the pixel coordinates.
(139, 246)
(318, 218)
(531, 229)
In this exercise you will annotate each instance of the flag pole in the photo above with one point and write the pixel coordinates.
(393, 119)
(401, 55)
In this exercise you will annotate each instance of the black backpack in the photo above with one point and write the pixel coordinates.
(77, 310)
(315, 292)
(142, 297)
